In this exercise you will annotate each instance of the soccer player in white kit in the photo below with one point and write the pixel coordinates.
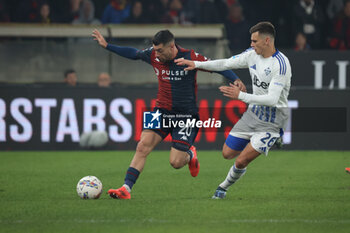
(267, 113)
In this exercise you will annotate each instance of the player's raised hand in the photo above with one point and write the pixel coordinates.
(240, 85)
(183, 62)
(100, 39)
(231, 91)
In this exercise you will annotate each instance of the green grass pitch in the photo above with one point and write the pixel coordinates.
(288, 191)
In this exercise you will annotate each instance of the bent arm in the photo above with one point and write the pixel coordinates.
(127, 52)
(269, 99)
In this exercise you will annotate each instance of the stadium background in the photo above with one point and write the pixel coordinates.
(301, 188)
(36, 49)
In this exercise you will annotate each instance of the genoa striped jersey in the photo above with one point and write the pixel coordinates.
(177, 89)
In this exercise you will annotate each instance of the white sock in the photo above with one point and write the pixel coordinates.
(233, 175)
(127, 187)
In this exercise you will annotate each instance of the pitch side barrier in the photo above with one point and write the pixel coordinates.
(203, 31)
(39, 117)
(44, 51)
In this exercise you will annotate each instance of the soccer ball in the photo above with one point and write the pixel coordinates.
(89, 187)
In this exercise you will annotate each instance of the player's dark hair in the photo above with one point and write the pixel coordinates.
(69, 71)
(264, 28)
(163, 37)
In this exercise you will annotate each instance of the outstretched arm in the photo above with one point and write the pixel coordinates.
(214, 65)
(127, 52)
(229, 74)
(235, 62)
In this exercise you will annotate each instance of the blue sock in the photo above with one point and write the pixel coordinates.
(131, 176)
(222, 189)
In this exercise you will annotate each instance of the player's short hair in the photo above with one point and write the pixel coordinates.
(69, 71)
(264, 28)
(163, 37)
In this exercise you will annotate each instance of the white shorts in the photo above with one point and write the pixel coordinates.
(261, 140)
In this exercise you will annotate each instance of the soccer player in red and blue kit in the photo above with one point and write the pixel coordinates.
(177, 94)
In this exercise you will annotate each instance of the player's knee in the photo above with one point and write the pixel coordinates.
(176, 163)
(227, 155)
(143, 148)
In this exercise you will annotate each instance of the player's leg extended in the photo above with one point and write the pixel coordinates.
(260, 143)
(237, 170)
(232, 148)
(149, 139)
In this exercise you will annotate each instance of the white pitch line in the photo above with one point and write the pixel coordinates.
(152, 220)
(342, 221)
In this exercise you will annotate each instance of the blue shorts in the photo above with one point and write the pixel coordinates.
(236, 143)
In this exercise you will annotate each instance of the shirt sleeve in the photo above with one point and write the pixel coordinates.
(127, 52)
(271, 98)
(228, 74)
(235, 62)
(145, 54)
(131, 53)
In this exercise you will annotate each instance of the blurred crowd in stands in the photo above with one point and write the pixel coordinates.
(301, 24)
(71, 79)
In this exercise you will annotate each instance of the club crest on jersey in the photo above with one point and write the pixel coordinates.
(267, 71)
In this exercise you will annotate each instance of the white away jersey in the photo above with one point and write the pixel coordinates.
(271, 80)
(266, 73)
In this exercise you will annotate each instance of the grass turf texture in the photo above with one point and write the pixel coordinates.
(288, 191)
